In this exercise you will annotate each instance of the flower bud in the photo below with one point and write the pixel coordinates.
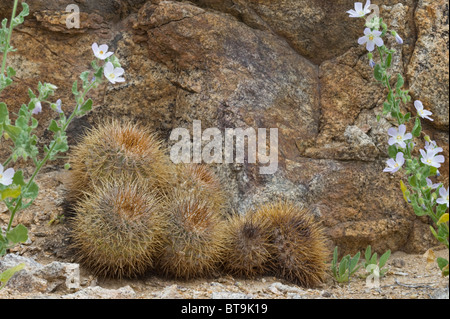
(6, 135)
(421, 201)
(397, 37)
(427, 138)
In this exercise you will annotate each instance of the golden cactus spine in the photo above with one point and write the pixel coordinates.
(118, 228)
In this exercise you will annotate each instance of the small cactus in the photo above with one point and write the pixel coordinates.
(299, 250)
(248, 247)
(194, 238)
(118, 150)
(117, 230)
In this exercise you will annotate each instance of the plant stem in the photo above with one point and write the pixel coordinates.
(7, 161)
(8, 40)
(45, 159)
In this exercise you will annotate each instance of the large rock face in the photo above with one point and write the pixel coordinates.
(292, 65)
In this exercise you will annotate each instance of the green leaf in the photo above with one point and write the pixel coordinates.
(392, 151)
(34, 123)
(19, 234)
(419, 211)
(75, 88)
(87, 106)
(413, 181)
(12, 131)
(11, 192)
(378, 73)
(442, 262)
(387, 107)
(417, 128)
(407, 117)
(354, 262)
(85, 76)
(18, 178)
(22, 122)
(384, 258)
(389, 60)
(343, 265)
(8, 273)
(31, 192)
(373, 260)
(400, 81)
(54, 127)
(433, 171)
(99, 73)
(368, 253)
(4, 114)
(440, 210)
(31, 94)
(10, 72)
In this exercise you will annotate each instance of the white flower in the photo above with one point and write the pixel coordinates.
(101, 52)
(113, 74)
(429, 158)
(421, 112)
(37, 108)
(444, 196)
(6, 176)
(431, 185)
(395, 165)
(432, 146)
(372, 63)
(398, 136)
(359, 11)
(371, 38)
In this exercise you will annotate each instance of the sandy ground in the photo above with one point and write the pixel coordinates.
(409, 276)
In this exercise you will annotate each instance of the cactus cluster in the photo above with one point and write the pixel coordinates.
(136, 211)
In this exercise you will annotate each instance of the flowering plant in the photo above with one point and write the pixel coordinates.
(425, 197)
(16, 191)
